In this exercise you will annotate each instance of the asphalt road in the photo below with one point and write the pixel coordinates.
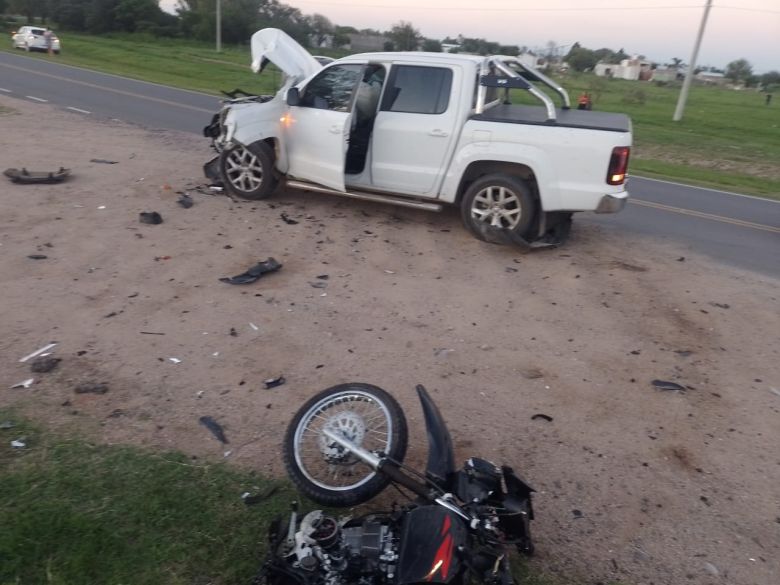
(735, 229)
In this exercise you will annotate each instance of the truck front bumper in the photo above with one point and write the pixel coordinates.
(611, 203)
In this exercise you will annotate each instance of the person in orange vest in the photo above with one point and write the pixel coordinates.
(584, 102)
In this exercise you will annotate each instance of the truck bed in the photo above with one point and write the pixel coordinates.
(536, 115)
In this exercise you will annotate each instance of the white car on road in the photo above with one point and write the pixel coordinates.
(31, 38)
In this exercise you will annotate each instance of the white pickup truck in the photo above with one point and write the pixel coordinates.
(423, 130)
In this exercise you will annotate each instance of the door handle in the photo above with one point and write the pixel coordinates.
(336, 129)
(438, 133)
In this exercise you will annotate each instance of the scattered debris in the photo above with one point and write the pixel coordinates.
(91, 388)
(274, 382)
(18, 443)
(670, 386)
(323, 277)
(288, 220)
(150, 333)
(158, 258)
(319, 284)
(250, 499)
(174, 360)
(44, 364)
(389, 272)
(254, 273)
(577, 513)
(37, 257)
(103, 161)
(25, 176)
(6, 424)
(254, 327)
(774, 391)
(442, 351)
(542, 416)
(681, 259)
(533, 373)
(683, 352)
(711, 569)
(233, 332)
(185, 201)
(26, 384)
(721, 305)
(215, 428)
(38, 352)
(150, 217)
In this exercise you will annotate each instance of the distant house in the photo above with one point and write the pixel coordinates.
(711, 78)
(633, 69)
(359, 42)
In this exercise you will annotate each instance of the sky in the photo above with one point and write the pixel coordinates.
(658, 29)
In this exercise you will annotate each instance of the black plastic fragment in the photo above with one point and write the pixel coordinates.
(37, 257)
(542, 416)
(185, 201)
(274, 382)
(255, 272)
(288, 220)
(103, 161)
(150, 217)
(668, 386)
(44, 364)
(91, 388)
(214, 427)
(25, 176)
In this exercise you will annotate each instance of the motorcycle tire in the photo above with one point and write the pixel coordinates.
(366, 415)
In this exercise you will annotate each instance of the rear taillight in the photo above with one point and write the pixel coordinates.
(618, 165)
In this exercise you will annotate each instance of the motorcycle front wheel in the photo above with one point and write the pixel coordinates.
(326, 472)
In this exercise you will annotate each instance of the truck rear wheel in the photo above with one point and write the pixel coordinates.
(248, 171)
(500, 209)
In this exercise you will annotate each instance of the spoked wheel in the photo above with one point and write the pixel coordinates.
(247, 171)
(499, 208)
(326, 472)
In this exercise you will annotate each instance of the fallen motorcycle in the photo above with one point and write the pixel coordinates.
(343, 447)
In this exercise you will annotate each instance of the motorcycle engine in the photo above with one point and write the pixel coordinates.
(329, 551)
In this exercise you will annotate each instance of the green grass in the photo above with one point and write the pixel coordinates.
(74, 512)
(727, 139)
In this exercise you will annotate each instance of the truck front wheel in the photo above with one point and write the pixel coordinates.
(499, 209)
(248, 171)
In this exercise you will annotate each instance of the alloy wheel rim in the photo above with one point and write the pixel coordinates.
(498, 206)
(243, 169)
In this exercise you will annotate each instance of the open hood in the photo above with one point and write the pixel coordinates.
(276, 46)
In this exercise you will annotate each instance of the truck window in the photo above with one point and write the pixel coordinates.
(418, 90)
(332, 88)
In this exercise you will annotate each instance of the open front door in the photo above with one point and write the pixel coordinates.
(318, 128)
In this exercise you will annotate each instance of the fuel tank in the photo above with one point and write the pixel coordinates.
(430, 537)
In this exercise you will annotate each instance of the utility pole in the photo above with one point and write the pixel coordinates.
(678, 113)
(219, 26)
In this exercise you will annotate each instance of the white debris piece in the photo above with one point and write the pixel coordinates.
(174, 360)
(26, 384)
(18, 444)
(38, 352)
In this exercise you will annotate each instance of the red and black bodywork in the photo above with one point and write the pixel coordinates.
(431, 538)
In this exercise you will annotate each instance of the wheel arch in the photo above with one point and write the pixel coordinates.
(478, 169)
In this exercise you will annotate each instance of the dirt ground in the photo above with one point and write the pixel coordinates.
(634, 484)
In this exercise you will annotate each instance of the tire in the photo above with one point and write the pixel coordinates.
(500, 209)
(326, 473)
(248, 171)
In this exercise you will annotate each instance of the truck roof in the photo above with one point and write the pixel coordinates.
(421, 56)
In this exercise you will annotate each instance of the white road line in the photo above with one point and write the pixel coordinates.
(5, 90)
(78, 110)
(706, 189)
(32, 97)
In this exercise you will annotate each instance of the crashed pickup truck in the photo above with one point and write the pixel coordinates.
(423, 130)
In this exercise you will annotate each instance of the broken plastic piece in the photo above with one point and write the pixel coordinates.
(174, 360)
(286, 219)
(670, 386)
(254, 273)
(26, 384)
(44, 364)
(18, 444)
(37, 257)
(6, 424)
(103, 161)
(38, 352)
(274, 382)
(250, 499)
(542, 416)
(91, 388)
(25, 176)
(185, 201)
(150, 217)
(215, 428)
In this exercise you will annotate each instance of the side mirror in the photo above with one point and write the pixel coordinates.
(293, 96)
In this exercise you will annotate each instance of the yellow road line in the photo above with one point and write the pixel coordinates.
(703, 215)
(119, 91)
